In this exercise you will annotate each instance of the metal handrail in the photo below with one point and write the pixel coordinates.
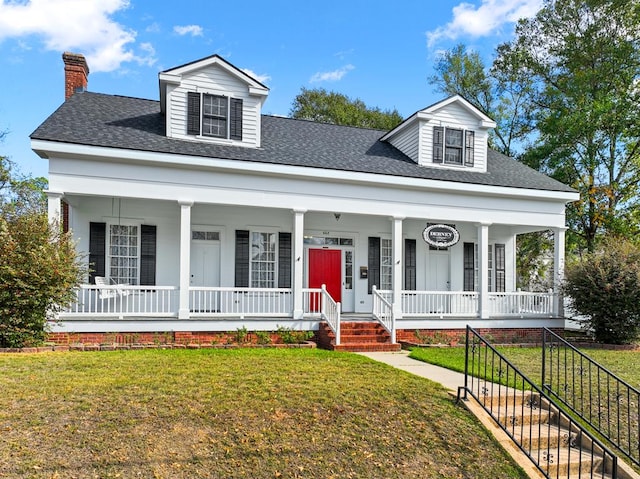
(529, 416)
(603, 400)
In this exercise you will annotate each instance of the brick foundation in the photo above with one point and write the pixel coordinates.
(159, 338)
(416, 336)
(493, 335)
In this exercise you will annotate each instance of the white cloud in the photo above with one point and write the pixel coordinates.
(261, 78)
(483, 20)
(344, 53)
(153, 28)
(334, 75)
(193, 30)
(76, 25)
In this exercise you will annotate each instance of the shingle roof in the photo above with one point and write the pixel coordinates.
(135, 124)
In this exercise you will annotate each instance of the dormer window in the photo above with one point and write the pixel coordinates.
(214, 115)
(453, 146)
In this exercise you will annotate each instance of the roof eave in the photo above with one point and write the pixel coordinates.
(47, 148)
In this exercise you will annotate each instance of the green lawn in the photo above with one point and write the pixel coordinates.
(260, 413)
(612, 411)
(529, 360)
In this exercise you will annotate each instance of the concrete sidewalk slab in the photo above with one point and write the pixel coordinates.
(401, 360)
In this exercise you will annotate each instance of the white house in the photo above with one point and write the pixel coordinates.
(205, 215)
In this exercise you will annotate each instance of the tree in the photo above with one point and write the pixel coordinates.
(604, 287)
(331, 107)
(581, 60)
(39, 265)
(496, 94)
(499, 96)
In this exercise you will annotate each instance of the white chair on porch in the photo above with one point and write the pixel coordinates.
(108, 293)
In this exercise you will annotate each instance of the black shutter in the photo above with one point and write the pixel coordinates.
(242, 259)
(410, 264)
(438, 144)
(193, 113)
(235, 119)
(500, 268)
(374, 262)
(469, 267)
(97, 242)
(469, 138)
(147, 255)
(284, 260)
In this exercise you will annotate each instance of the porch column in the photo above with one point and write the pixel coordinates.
(298, 261)
(54, 207)
(558, 270)
(185, 257)
(483, 270)
(396, 241)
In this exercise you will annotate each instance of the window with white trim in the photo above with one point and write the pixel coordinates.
(264, 247)
(123, 254)
(215, 116)
(386, 264)
(496, 267)
(453, 146)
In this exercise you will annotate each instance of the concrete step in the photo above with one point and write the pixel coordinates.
(568, 462)
(509, 398)
(541, 436)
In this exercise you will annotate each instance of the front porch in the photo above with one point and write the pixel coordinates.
(121, 308)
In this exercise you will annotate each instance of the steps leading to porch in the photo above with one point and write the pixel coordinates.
(535, 425)
(358, 336)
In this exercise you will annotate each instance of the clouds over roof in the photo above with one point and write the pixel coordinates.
(193, 30)
(334, 75)
(80, 26)
(483, 20)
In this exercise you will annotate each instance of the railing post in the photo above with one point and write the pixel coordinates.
(323, 301)
(338, 311)
(544, 358)
(466, 363)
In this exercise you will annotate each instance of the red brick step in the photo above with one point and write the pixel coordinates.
(357, 336)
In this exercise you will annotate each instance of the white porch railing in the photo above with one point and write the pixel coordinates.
(383, 312)
(318, 302)
(521, 304)
(162, 301)
(124, 300)
(240, 302)
(420, 304)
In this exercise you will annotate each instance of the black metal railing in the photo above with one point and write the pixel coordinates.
(558, 445)
(596, 395)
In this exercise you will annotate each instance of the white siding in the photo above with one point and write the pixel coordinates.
(217, 81)
(407, 142)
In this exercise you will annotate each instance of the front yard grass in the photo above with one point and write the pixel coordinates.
(529, 360)
(260, 413)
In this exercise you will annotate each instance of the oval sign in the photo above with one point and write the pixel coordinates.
(440, 236)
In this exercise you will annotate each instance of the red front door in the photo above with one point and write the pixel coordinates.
(325, 267)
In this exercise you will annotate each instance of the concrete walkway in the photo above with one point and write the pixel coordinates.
(451, 380)
(401, 360)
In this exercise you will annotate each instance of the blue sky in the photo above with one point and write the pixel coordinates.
(380, 52)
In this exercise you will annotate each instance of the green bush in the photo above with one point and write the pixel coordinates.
(291, 336)
(604, 287)
(39, 268)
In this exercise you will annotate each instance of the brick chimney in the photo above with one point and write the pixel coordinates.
(76, 72)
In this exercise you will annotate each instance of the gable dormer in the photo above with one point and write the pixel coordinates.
(210, 100)
(450, 134)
